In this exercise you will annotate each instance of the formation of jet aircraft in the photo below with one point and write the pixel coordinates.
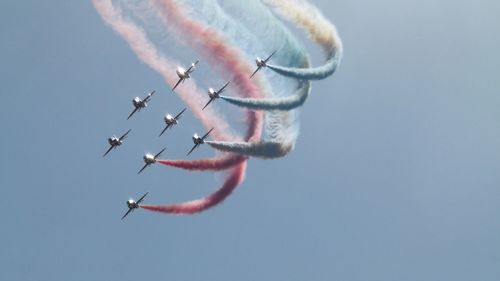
(170, 121)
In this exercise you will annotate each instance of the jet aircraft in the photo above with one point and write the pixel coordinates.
(140, 103)
(197, 140)
(213, 94)
(150, 159)
(184, 74)
(115, 142)
(171, 120)
(261, 63)
(132, 205)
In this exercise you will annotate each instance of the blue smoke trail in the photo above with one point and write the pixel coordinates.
(319, 29)
(317, 73)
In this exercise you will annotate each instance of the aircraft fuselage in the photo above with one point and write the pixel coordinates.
(260, 62)
(182, 73)
(170, 120)
(114, 141)
(132, 204)
(212, 93)
(197, 139)
(138, 103)
(149, 158)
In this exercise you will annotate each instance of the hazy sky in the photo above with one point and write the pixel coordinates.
(395, 175)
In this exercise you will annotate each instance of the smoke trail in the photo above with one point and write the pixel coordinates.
(222, 163)
(274, 34)
(237, 175)
(265, 150)
(321, 31)
(283, 103)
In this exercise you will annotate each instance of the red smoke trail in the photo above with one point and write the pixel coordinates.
(236, 176)
(222, 163)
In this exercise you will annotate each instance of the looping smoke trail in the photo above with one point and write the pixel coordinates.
(283, 103)
(320, 30)
(237, 175)
(223, 163)
(265, 150)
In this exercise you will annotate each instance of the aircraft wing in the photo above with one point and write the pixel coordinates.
(192, 66)
(179, 114)
(195, 146)
(223, 87)
(128, 212)
(159, 153)
(268, 58)
(142, 198)
(125, 135)
(146, 99)
(108, 151)
(258, 68)
(166, 127)
(211, 99)
(177, 84)
(206, 135)
(132, 113)
(144, 167)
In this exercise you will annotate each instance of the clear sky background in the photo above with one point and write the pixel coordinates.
(395, 176)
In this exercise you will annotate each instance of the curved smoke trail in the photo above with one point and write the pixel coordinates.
(282, 103)
(322, 32)
(222, 163)
(237, 174)
(275, 36)
(319, 29)
(265, 150)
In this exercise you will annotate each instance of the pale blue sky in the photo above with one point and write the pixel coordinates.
(395, 175)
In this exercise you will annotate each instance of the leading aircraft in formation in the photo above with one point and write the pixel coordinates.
(171, 120)
(150, 159)
(140, 103)
(197, 140)
(184, 73)
(261, 63)
(213, 94)
(132, 205)
(115, 142)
